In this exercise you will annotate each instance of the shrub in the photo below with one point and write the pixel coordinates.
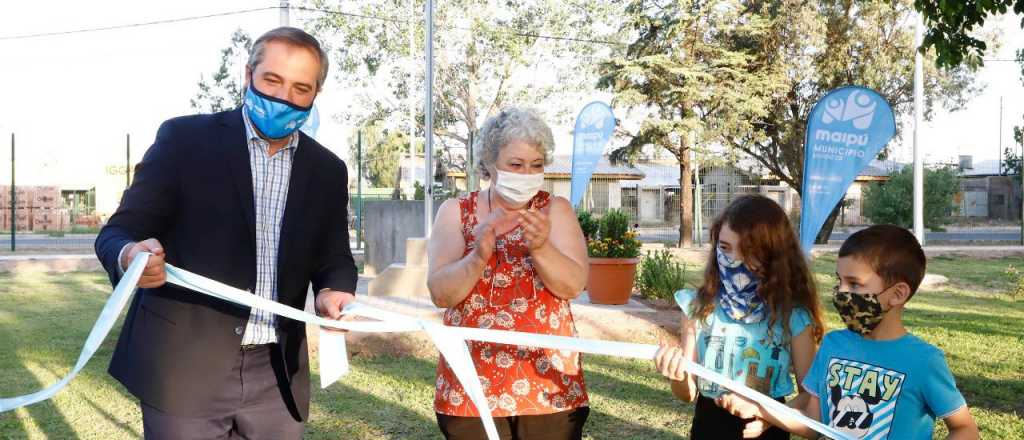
(660, 275)
(1017, 279)
(891, 202)
(588, 224)
(614, 238)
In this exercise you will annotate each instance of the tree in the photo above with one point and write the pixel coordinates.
(1011, 164)
(486, 58)
(887, 202)
(384, 148)
(687, 72)
(223, 91)
(950, 24)
(816, 47)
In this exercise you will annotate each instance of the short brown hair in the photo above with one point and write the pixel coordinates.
(891, 251)
(294, 37)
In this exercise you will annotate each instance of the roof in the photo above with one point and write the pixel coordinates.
(667, 174)
(987, 167)
(561, 167)
(878, 170)
(657, 175)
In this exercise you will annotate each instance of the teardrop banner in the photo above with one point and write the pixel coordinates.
(845, 131)
(594, 127)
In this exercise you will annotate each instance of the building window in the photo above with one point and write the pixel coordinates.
(631, 203)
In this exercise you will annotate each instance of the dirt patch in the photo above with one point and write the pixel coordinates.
(377, 344)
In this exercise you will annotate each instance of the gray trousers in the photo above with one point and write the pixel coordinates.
(250, 408)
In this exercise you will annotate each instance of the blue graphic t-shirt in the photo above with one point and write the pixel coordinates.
(745, 352)
(882, 389)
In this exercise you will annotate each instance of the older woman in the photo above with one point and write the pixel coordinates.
(511, 257)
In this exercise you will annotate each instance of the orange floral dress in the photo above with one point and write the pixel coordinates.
(517, 380)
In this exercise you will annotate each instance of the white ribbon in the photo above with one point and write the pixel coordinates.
(450, 341)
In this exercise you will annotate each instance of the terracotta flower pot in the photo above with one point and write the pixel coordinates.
(611, 280)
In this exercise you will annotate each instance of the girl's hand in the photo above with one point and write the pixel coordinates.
(738, 406)
(669, 361)
(754, 428)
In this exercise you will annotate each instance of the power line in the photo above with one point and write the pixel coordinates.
(298, 8)
(133, 25)
(399, 20)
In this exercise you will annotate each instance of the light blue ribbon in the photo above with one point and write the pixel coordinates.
(450, 341)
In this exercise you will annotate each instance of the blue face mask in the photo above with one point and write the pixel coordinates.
(738, 296)
(274, 118)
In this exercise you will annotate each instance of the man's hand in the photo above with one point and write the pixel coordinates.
(329, 303)
(153, 275)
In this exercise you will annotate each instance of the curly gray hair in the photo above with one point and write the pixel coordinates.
(511, 124)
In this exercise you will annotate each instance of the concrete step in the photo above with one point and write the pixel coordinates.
(400, 280)
(416, 251)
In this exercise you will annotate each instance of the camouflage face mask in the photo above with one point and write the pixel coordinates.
(861, 312)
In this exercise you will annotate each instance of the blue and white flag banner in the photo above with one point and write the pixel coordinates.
(594, 127)
(845, 131)
(312, 124)
(450, 341)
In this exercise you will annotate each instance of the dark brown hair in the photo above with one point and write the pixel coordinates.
(891, 251)
(767, 240)
(294, 37)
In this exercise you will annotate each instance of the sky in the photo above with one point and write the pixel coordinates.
(71, 99)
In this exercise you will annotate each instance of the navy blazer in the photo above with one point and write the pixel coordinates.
(193, 192)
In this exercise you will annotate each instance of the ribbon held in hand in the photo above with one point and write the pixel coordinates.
(450, 341)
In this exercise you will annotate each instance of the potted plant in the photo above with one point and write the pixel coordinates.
(613, 249)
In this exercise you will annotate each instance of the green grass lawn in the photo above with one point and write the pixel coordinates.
(44, 319)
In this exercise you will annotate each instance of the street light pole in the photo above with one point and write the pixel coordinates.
(428, 130)
(918, 98)
(14, 198)
(283, 14)
(128, 160)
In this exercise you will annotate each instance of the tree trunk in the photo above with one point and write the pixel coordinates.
(826, 229)
(396, 194)
(685, 196)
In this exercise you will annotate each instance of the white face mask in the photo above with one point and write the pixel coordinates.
(518, 188)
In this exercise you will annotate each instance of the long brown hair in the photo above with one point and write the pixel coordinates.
(767, 239)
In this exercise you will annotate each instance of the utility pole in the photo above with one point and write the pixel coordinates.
(128, 160)
(471, 177)
(359, 189)
(918, 110)
(14, 198)
(283, 16)
(999, 153)
(412, 96)
(428, 129)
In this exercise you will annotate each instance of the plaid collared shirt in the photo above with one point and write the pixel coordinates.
(270, 176)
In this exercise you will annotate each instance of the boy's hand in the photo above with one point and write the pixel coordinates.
(754, 428)
(738, 406)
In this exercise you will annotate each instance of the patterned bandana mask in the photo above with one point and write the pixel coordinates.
(738, 297)
(861, 312)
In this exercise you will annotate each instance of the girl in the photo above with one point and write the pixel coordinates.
(756, 319)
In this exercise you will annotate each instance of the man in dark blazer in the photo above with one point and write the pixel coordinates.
(246, 199)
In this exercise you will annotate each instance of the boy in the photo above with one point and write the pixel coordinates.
(875, 380)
